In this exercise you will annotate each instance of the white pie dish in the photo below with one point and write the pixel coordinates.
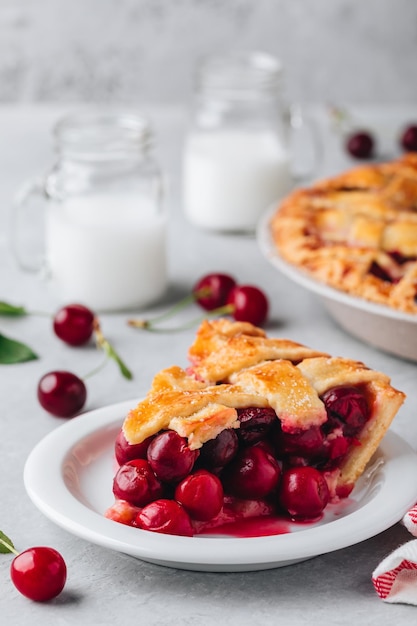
(381, 326)
(69, 474)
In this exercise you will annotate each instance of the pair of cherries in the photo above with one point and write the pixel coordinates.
(221, 293)
(60, 392)
(361, 145)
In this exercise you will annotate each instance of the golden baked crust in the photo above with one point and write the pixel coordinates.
(223, 347)
(237, 366)
(357, 232)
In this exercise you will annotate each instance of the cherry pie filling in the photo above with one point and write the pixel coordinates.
(255, 471)
(394, 271)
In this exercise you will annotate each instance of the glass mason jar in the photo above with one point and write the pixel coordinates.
(103, 225)
(236, 154)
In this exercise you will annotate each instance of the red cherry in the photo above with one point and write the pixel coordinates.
(62, 393)
(201, 495)
(170, 457)
(253, 474)
(39, 573)
(216, 453)
(216, 288)
(303, 492)
(136, 483)
(74, 324)
(124, 451)
(249, 304)
(255, 424)
(304, 443)
(360, 145)
(409, 139)
(165, 516)
(349, 406)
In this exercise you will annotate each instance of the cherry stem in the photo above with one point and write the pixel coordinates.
(227, 309)
(111, 353)
(339, 117)
(97, 369)
(192, 297)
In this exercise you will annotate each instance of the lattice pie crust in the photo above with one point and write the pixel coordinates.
(235, 365)
(357, 232)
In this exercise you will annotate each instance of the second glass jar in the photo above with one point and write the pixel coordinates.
(236, 156)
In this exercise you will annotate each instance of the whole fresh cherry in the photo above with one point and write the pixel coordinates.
(303, 492)
(61, 393)
(74, 324)
(136, 483)
(218, 452)
(170, 457)
(249, 304)
(254, 473)
(360, 145)
(201, 495)
(165, 516)
(124, 451)
(39, 573)
(408, 138)
(212, 290)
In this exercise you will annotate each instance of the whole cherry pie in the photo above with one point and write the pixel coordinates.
(357, 232)
(255, 429)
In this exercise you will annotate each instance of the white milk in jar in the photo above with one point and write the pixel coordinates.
(106, 251)
(236, 159)
(232, 176)
(104, 227)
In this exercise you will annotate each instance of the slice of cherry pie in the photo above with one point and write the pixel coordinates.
(255, 428)
(357, 232)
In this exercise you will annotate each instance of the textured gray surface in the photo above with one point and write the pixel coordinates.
(106, 587)
(146, 50)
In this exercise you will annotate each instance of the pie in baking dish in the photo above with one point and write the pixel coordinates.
(357, 232)
(250, 422)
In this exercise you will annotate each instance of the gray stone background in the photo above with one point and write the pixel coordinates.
(341, 51)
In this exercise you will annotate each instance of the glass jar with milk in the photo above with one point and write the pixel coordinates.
(104, 223)
(236, 155)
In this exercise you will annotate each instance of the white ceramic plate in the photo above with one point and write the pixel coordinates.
(69, 477)
(381, 326)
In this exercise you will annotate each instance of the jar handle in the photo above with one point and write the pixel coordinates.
(304, 142)
(27, 227)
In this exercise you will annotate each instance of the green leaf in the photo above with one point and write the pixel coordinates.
(12, 351)
(6, 544)
(13, 311)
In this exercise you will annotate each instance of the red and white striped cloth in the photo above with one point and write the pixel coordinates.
(395, 578)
